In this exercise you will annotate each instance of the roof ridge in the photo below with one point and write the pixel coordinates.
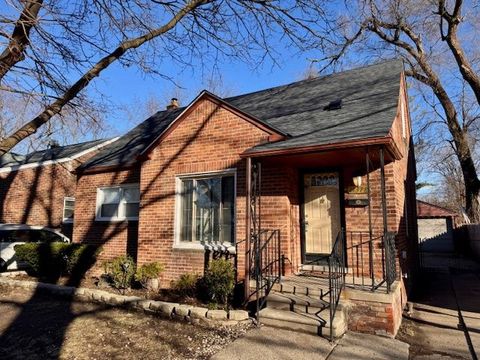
(320, 77)
(68, 145)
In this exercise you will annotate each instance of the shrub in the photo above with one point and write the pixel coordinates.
(186, 285)
(148, 272)
(120, 270)
(51, 260)
(220, 280)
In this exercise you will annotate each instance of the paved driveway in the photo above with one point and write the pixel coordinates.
(445, 322)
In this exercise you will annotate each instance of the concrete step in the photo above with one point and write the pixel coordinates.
(296, 303)
(300, 289)
(307, 323)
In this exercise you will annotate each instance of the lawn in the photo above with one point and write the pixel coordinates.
(37, 326)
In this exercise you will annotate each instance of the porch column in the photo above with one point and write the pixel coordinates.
(384, 196)
(248, 199)
(370, 231)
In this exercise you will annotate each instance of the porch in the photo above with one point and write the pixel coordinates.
(312, 258)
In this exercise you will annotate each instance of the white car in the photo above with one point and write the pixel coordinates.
(15, 234)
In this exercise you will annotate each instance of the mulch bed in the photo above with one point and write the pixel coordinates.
(93, 282)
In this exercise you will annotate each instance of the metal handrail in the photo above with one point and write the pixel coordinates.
(362, 259)
(266, 267)
(336, 276)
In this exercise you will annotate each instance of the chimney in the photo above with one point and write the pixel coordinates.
(52, 144)
(173, 104)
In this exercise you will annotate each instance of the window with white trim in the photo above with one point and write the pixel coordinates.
(68, 208)
(206, 209)
(118, 202)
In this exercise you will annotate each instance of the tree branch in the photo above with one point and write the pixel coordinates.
(55, 107)
(19, 40)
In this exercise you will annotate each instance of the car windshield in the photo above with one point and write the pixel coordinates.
(29, 236)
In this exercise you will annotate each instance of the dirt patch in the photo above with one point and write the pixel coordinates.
(37, 326)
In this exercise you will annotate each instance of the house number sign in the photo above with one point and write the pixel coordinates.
(324, 180)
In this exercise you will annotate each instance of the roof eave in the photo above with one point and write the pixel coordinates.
(105, 168)
(386, 141)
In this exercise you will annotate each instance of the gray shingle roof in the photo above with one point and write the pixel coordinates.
(56, 153)
(369, 102)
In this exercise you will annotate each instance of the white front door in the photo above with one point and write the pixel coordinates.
(321, 212)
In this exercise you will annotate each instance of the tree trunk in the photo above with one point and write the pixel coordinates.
(20, 39)
(460, 139)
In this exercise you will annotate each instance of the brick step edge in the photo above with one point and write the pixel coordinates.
(190, 313)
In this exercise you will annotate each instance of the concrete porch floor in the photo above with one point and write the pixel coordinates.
(318, 282)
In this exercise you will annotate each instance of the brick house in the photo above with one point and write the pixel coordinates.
(320, 173)
(39, 188)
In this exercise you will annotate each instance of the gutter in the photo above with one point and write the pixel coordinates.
(387, 141)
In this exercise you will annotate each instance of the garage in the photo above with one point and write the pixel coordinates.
(435, 228)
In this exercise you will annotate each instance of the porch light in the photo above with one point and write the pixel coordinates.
(357, 180)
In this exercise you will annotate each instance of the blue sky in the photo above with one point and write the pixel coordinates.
(124, 86)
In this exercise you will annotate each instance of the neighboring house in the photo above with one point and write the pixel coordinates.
(39, 188)
(317, 172)
(435, 227)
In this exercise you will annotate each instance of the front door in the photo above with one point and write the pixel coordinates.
(321, 213)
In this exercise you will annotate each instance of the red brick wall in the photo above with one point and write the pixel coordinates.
(115, 237)
(210, 138)
(35, 196)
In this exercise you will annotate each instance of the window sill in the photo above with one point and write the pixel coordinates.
(202, 247)
(115, 220)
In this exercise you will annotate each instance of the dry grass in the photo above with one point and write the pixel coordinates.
(37, 326)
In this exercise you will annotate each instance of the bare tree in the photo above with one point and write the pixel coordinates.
(410, 29)
(55, 48)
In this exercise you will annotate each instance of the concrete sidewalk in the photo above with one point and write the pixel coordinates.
(268, 343)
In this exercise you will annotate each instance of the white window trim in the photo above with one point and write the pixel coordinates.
(98, 207)
(195, 245)
(67, 220)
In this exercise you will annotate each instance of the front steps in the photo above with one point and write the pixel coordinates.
(301, 308)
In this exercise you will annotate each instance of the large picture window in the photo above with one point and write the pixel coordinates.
(118, 202)
(206, 209)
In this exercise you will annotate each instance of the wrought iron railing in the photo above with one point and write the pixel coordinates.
(336, 276)
(371, 260)
(390, 259)
(266, 265)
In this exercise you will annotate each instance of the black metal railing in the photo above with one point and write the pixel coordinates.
(336, 276)
(371, 259)
(362, 251)
(390, 259)
(266, 265)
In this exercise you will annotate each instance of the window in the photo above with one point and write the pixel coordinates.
(118, 202)
(68, 207)
(206, 209)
